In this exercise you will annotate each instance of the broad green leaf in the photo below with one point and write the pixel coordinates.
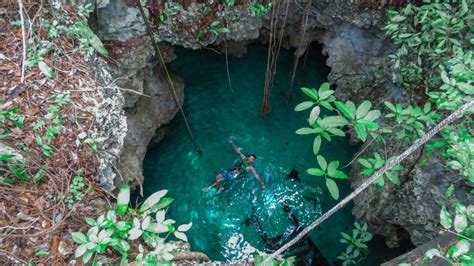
(346, 236)
(398, 18)
(79, 237)
(372, 115)
(322, 162)
(460, 219)
(314, 115)
(98, 45)
(334, 121)
(390, 106)
(326, 105)
(461, 248)
(214, 24)
(445, 218)
(122, 226)
(361, 132)
(366, 123)
(464, 7)
(87, 256)
(326, 135)
(152, 200)
(455, 165)
(123, 199)
(135, 233)
(38, 176)
(336, 131)
(332, 167)
(45, 69)
(304, 105)
(444, 77)
(345, 110)
(365, 163)
(380, 182)
(315, 171)
(181, 236)
(465, 87)
(449, 191)
(316, 145)
(304, 131)
(333, 189)
(460, 222)
(338, 174)
(164, 202)
(427, 108)
(80, 251)
(5, 157)
(393, 177)
(310, 92)
(185, 227)
(324, 87)
(325, 94)
(363, 109)
(91, 221)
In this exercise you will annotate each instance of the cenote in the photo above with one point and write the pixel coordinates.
(244, 219)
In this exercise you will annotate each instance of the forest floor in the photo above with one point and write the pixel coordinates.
(47, 164)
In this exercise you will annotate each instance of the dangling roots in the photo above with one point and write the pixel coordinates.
(274, 47)
(304, 23)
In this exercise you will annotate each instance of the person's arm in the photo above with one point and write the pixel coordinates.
(237, 149)
(252, 169)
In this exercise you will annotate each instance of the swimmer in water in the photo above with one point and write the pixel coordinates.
(239, 169)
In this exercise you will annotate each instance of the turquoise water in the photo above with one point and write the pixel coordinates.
(226, 225)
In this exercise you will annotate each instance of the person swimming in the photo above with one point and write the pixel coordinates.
(239, 169)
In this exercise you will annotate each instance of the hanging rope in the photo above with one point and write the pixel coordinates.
(372, 179)
(170, 81)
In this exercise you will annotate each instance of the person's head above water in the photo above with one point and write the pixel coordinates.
(251, 158)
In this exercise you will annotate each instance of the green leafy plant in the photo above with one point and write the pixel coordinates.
(435, 53)
(463, 225)
(328, 171)
(259, 9)
(13, 117)
(216, 28)
(166, 12)
(347, 114)
(373, 164)
(229, 3)
(426, 34)
(413, 120)
(362, 118)
(77, 189)
(356, 248)
(40, 49)
(123, 226)
(259, 259)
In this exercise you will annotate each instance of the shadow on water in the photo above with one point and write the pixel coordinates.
(243, 218)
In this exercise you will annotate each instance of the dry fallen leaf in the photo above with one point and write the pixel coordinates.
(31, 111)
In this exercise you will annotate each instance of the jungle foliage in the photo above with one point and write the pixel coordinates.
(434, 55)
(125, 229)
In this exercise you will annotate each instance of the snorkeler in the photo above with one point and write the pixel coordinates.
(239, 169)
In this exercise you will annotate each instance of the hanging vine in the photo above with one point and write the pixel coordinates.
(304, 24)
(274, 47)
